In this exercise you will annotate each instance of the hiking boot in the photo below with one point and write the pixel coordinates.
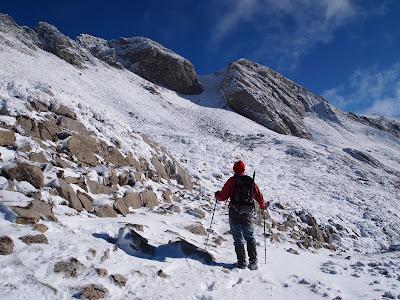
(241, 264)
(253, 266)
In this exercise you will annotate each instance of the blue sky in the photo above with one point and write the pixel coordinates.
(346, 50)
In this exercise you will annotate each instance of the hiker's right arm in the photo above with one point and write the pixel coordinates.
(226, 191)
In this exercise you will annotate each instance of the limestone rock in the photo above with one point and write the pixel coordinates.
(72, 125)
(34, 239)
(197, 229)
(70, 267)
(132, 200)
(52, 40)
(149, 199)
(271, 100)
(35, 211)
(94, 292)
(121, 207)
(6, 245)
(25, 172)
(86, 200)
(119, 279)
(105, 212)
(68, 193)
(7, 138)
(83, 148)
(40, 227)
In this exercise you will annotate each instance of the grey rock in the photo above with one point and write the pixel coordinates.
(68, 193)
(52, 40)
(105, 211)
(363, 157)
(70, 267)
(197, 229)
(83, 148)
(25, 172)
(132, 200)
(34, 239)
(121, 207)
(35, 211)
(6, 245)
(270, 99)
(7, 138)
(198, 213)
(119, 279)
(149, 199)
(94, 292)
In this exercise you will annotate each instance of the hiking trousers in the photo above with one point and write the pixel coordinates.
(242, 229)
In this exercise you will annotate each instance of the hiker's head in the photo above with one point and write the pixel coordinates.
(239, 167)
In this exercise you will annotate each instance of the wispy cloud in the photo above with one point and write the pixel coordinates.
(292, 27)
(370, 91)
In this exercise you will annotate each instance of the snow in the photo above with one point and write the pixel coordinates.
(206, 139)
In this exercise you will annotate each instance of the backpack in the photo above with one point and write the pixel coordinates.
(241, 198)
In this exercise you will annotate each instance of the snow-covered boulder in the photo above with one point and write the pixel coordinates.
(270, 99)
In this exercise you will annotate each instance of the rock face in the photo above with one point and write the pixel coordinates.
(52, 40)
(270, 99)
(6, 245)
(25, 172)
(148, 59)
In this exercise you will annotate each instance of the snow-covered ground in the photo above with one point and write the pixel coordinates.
(316, 176)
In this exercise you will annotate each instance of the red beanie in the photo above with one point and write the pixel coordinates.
(239, 167)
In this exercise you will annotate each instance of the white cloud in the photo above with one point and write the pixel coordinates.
(374, 91)
(288, 29)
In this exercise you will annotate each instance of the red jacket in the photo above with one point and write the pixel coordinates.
(229, 187)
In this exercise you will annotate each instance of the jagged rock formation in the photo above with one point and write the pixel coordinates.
(270, 99)
(140, 55)
(148, 59)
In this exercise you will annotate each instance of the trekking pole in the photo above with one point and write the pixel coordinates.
(212, 218)
(265, 240)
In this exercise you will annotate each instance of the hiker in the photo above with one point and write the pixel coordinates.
(241, 212)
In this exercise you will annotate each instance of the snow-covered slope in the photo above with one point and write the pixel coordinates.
(296, 174)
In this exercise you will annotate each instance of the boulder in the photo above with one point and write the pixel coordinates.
(52, 40)
(119, 279)
(121, 207)
(94, 292)
(38, 157)
(270, 99)
(86, 200)
(70, 267)
(35, 211)
(72, 125)
(68, 193)
(149, 199)
(83, 148)
(25, 172)
(197, 229)
(196, 212)
(34, 239)
(40, 227)
(105, 211)
(6, 245)
(7, 138)
(132, 200)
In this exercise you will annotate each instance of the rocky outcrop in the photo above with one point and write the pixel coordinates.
(148, 59)
(6, 245)
(270, 99)
(25, 172)
(52, 40)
